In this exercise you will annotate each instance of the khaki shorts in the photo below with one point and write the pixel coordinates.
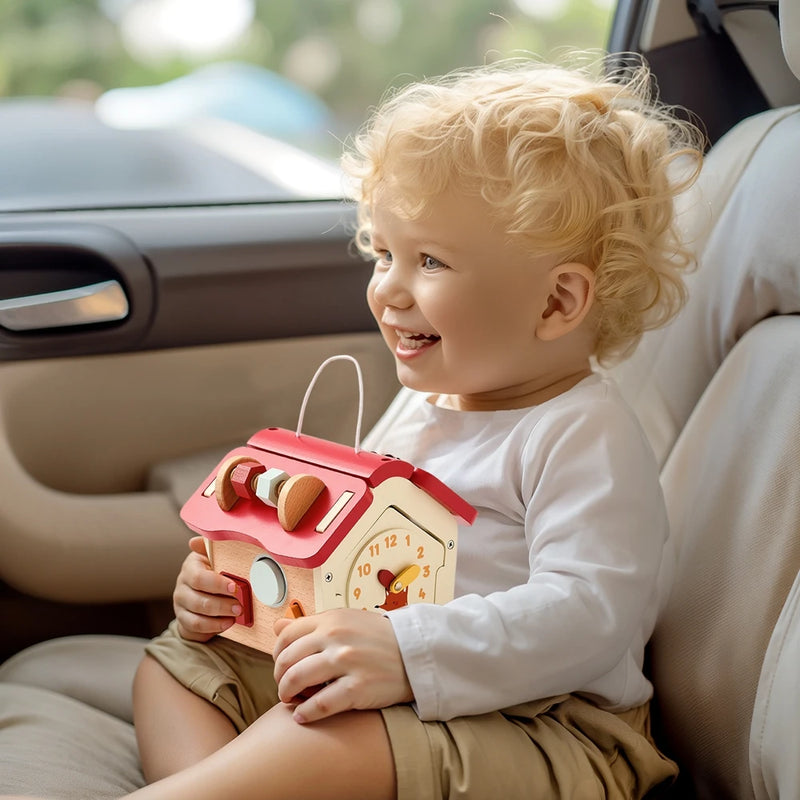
(235, 678)
(564, 747)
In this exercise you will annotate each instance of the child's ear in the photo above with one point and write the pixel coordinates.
(570, 300)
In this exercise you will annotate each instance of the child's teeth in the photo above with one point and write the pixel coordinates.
(415, 340)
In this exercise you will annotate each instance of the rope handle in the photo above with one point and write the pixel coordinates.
(357, 446)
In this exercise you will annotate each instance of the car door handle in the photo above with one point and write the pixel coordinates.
(99, 302)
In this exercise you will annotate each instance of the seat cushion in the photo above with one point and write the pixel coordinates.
(55, 746)
(65, 719)
(97, 670)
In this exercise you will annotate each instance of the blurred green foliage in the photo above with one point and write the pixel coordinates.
(50, 47)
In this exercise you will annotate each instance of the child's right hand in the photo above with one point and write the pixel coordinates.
(202, 598)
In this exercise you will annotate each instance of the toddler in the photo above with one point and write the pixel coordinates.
(520, 218)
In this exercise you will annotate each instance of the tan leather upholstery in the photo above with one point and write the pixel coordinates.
(65, 711)
(719, 394)
(773, 737)
(738, 217)
(733, 490)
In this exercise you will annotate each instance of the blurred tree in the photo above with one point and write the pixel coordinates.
(347, 51)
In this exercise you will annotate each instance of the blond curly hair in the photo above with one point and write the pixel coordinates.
(572, 163)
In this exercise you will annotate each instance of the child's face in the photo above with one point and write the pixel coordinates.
(458, 305)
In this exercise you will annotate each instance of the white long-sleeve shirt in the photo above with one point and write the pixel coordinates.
(556, 581)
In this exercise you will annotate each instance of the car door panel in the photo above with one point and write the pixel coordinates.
(97, 449)
(192, 276)
(82, 437)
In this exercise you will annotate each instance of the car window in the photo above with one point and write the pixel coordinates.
(120, 103)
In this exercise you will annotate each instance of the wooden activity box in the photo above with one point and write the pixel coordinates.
(301, 525)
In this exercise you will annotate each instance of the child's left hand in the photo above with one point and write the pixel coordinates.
(351, 654)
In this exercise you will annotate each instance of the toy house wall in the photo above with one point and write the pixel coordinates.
(237, 558)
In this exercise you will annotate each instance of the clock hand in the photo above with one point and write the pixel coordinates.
(404, 578)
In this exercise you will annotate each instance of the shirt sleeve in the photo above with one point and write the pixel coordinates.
(595, 526)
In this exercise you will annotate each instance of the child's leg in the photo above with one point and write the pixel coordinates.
(344, 756)
(174, 727)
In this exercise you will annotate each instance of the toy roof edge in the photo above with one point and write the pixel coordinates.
(371, 467)
(374, 468)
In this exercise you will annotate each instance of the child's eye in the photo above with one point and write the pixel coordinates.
(383, 257)
(431, 264)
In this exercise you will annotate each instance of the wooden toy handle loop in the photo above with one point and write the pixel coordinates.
(357, 446)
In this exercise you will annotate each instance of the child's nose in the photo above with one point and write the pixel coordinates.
(391, 289)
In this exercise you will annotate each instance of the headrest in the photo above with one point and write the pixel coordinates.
(747, 270)
(789, 14)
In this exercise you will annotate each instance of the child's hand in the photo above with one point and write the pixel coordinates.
(352, 655)
(201, 600)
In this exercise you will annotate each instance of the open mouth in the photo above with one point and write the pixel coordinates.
(416, 341)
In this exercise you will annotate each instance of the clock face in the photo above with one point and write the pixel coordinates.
(394, 568)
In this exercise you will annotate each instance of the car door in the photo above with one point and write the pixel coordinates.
(136, 347)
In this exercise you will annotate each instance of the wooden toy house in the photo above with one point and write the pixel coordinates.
(302, 525)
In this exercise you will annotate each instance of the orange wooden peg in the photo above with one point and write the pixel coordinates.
(295, 610)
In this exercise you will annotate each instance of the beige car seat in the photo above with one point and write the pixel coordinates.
(719, 395)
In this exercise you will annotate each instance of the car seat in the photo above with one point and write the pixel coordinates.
(718, 393)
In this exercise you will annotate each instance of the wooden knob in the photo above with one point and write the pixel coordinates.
(223, 489)
(243, 477)
(296, 496)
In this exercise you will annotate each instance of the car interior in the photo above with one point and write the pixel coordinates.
(108, 424)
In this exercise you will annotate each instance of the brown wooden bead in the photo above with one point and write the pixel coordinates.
(297, 495)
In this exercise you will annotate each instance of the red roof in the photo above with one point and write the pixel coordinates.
(340, 467)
